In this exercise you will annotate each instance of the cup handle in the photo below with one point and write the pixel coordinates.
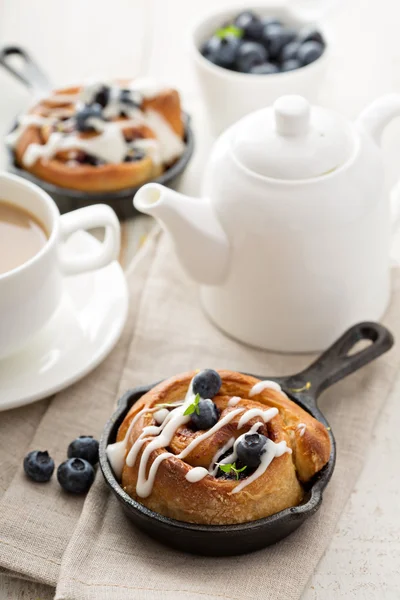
(99, 215)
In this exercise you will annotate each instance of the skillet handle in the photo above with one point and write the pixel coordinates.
(27, 71)
(336, 362)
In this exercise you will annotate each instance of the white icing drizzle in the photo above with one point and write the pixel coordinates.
(263, 385)
(116, 452)
(171, 145)
(161, 415)
(213, 468)
(301, 428)
(149, 88)
(110, 145)
(266, 415)
(231, 458)
(272, 451)
(196, 474)
(234, 400)
(25, 121)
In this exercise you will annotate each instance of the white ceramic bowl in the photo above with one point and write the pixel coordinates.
(230, 95)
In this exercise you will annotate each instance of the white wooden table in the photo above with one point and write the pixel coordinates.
(76, 40)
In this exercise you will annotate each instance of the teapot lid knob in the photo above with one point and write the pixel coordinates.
(292, 115)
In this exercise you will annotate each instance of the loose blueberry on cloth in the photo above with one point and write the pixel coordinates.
(75, 475)
(84, 447)
(39, 466)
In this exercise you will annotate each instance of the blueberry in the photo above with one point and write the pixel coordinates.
(309, 34)
(207, 383)
(276, 37)
(208, 415)
(39, 466)
(266, 68)
(309, 52)
(102, 96)
(224, 51)
(271, 21)
(131, 98)
(249, 55)
(250, 448)
(89, 159)
(75, 475)
(84, 447)
(84, 116)
(134, 155)
(250, 23)
(210, 46)
(290, 65)
(289, 51)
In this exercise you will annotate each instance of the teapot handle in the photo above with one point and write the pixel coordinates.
(377, 116)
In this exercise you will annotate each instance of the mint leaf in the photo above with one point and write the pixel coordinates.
(226, 468)
(241, 470)
(194, 407)
(232, 30)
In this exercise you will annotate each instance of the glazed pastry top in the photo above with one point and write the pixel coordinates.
(218, 447)
(101, 124)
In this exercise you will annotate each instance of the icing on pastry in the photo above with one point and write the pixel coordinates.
(116, 452)
(196, 474)
(266, 415)
(264, 385)
(272, 451)
(213, 468)
(161, 415)
(234, 400)
(301, 428)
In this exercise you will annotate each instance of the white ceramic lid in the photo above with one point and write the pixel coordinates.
(292, 140)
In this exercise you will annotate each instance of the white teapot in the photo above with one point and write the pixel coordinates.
(290, 241)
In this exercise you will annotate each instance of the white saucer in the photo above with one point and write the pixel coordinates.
(85, 328)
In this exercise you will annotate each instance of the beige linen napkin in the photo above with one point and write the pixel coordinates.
(97, 553)
(36, 521)
(108, 558)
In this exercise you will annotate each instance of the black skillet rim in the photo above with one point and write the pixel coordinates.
(307, 508)
(176, 169)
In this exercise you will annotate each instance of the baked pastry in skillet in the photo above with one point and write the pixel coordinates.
(217, 448)
(101, 137)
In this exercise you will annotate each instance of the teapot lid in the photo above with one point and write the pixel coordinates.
(292, 140)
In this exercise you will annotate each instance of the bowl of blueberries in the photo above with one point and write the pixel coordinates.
(246, 59)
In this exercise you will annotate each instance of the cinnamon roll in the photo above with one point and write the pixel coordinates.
(218, 448)
(101, 137)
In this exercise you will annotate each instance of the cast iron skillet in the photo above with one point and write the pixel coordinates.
(121, 201)
(224, 540)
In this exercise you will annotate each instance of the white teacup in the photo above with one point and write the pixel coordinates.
(229, 95)
(30, 293)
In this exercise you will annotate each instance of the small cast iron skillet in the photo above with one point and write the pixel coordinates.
(32, 77)
(224, 540)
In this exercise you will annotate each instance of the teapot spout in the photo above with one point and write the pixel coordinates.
(200, 241)
(379, 114)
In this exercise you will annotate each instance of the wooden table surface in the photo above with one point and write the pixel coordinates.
(76, 40)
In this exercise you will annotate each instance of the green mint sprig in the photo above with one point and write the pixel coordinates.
(231, 30)
(194, 407)
(232, 467)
